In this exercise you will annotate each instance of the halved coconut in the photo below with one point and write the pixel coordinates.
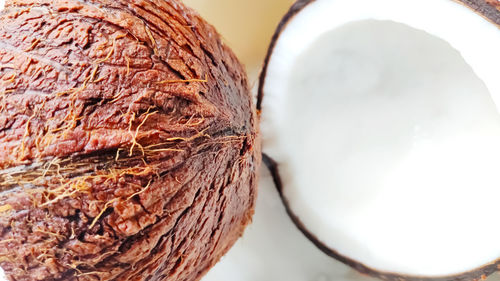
(382, 127)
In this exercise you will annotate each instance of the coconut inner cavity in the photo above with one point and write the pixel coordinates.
(390, 154)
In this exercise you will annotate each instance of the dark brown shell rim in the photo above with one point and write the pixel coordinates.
(488, 9)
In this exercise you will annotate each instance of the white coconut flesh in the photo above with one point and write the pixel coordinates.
(382, 116)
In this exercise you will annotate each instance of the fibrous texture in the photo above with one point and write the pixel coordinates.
(128, 142)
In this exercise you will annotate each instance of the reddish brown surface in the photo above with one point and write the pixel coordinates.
(128, 142)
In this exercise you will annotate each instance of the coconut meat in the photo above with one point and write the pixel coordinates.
(383, 118)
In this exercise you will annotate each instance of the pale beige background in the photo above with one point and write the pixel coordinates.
(246, 25)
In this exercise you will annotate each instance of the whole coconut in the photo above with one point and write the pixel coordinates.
(129, 143)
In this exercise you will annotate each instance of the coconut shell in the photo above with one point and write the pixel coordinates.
(129, 143)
